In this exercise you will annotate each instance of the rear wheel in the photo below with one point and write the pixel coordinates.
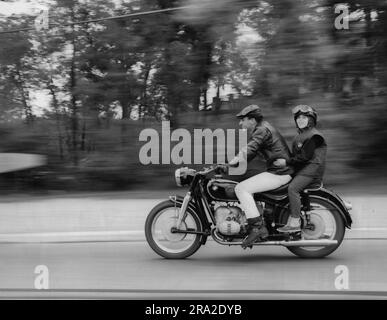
(326, 222)
(158, 231)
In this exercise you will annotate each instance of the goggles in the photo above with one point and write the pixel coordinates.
(302, 109)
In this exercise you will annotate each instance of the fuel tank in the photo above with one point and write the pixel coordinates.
(222, 190)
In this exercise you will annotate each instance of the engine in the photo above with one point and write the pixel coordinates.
(230, 220)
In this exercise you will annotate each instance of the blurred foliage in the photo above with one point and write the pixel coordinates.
(106, 81)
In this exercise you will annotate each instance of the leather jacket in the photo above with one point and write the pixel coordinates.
(268, 142)
(313, 166)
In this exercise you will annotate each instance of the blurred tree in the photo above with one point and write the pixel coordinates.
(362, 78)
(14, 67)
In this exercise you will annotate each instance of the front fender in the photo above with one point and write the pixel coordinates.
(330, 195)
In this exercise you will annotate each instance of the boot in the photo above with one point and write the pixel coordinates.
(257, 231)
(293, 225)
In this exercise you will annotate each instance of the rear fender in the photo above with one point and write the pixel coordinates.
(333, 197)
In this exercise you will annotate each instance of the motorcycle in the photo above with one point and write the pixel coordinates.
(177, 227)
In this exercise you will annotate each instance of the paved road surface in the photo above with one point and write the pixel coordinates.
(133, 270)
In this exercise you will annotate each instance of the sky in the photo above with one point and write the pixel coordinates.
(20, 7)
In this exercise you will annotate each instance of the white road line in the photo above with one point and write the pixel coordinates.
(73, 236)
(87, 293)
(370, 229)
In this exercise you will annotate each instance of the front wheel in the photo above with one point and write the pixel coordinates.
(158, 227)
(326, 223)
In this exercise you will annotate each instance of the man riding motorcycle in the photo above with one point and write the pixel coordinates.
(308, 159)
(267, 141)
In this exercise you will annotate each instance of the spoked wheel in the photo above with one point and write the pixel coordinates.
(159, 226)
(325, 223)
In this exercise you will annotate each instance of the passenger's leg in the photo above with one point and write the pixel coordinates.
(298, 184)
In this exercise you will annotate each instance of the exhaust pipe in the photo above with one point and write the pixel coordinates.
(296, 243)
(308, 243)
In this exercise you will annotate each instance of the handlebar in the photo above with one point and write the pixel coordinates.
(213, 168)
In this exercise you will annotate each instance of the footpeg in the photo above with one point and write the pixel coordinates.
(295, 236)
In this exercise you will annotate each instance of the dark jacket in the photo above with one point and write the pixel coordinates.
(308, 154)
(268, 142)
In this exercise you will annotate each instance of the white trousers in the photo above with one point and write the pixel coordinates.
(262, 182)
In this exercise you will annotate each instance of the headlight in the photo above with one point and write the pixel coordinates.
(184, 176)
(177, 177)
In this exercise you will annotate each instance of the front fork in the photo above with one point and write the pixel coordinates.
(183, 210)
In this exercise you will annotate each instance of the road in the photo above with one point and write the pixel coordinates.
(132, 270)
(121, 216)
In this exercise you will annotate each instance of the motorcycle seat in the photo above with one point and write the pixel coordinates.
(282, 191)
(314, 186)
(277, 192)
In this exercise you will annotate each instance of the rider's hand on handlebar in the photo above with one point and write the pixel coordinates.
(221, 168)
(233, 162)
(280, 163)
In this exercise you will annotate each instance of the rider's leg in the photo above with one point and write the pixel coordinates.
(262, 182)
(298, 184)
(244, 191)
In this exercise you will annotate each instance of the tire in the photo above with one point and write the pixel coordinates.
(338, 235)
(157, 247)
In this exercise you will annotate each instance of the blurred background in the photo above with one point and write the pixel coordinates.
(81, 93)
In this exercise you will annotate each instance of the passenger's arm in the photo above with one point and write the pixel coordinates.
(306, 153)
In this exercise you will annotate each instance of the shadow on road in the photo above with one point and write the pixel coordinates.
(256, 258)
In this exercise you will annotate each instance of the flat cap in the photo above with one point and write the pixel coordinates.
(253, 108)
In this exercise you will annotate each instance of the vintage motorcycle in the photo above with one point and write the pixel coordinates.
(176, 228)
